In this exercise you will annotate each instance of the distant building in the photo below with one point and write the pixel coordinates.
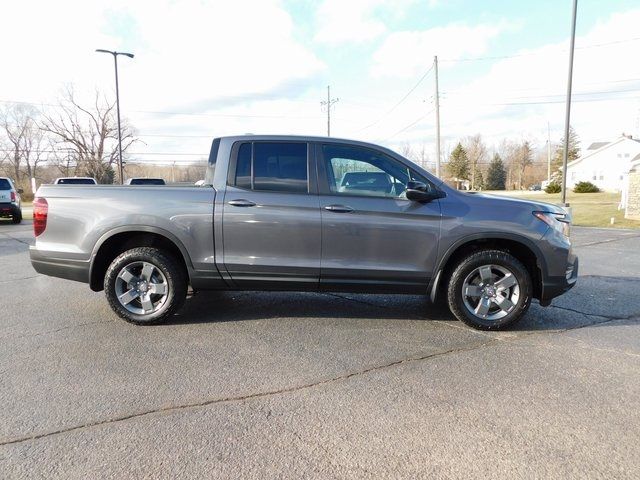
(605, 164)
(631, 191)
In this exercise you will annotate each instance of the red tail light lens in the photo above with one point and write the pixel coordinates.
(40, 212)
(13, 196)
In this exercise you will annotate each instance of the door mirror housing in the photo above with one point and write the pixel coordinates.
(417, 192)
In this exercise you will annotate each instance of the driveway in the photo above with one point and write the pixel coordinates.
(301, 385)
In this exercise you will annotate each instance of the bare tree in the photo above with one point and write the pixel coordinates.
(22, 141)
(477, 153)
(87, 137)
(522, 158)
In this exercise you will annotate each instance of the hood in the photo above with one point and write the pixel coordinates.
(520, 202)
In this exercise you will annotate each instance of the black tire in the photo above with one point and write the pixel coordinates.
(17, 218)
(499, 259)
(175, 281)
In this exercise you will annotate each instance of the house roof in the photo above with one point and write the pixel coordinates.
(597, 145)
(604, 146)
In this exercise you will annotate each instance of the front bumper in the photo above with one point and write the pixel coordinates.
(9, 210)
(77, 270)
(554, 286)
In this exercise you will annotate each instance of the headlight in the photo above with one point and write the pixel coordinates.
(558, 221)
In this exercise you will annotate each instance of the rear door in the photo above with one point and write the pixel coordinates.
(271, 217)
(372, 236)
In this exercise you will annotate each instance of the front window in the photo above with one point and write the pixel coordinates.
(361, 171)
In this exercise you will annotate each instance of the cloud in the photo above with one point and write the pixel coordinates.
(522, 93)
(405, 53)
(348, 21)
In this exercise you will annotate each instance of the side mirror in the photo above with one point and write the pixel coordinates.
(417, 192)
(20, 191)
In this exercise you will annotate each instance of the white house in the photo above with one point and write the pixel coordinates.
(605, 164)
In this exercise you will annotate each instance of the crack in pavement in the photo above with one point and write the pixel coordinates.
(14, 238)
(609, 240)
(240, 398)
(48, 332)
(345, 376)
(19, 279)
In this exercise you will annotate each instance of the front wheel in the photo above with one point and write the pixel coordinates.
(145, 285)
(489, 290)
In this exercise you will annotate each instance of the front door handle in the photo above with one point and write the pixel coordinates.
(241, 202)
(339, 208)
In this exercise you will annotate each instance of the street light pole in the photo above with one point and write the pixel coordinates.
(567, 118)
(115, 62)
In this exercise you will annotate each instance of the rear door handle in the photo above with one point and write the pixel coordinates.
(339, 208)
(241, 202)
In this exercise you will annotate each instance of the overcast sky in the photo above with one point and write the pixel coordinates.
(210, 68)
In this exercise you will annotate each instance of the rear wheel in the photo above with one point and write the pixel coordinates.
(489, 290)
(17, 218)
(145, 285)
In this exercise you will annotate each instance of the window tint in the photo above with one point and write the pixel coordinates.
(277, 167)
(76, 181)
(147, 181)
(243, 166)
(360, 171)
(4, 184)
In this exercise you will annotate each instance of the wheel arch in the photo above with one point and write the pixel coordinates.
(118, 240)
(520, 247)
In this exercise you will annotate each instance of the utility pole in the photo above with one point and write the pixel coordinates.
(328, 104)
(548, 153)
(437, 99)
(567, 118)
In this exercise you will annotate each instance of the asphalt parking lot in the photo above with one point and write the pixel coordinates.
(263, 385)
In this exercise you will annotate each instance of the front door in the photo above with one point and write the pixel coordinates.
(372, 236)
(271, 217)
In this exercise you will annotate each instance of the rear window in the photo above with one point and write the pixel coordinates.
(4, 184)
(76, 181)
(272, 166)
(147, 181)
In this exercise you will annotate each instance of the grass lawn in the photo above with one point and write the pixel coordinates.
(588, 209)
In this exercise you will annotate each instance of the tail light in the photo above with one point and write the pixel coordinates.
(40, 212)
(13, 196)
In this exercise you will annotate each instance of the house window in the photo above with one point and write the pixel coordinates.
(601, 176)
(573, 175)
(626, 155)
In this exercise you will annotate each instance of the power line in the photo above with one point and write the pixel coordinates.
(460, 92)
(399, 102)
(529, 54)
(410, 125)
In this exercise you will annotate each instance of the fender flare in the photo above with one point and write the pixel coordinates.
(133, 229)
(442, 261)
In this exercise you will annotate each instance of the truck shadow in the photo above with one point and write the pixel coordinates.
(575, 309)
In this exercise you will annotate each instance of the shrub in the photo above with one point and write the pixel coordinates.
(585, 187)
(553, 187)
(27, 197)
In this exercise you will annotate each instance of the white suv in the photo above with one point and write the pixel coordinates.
(10, 203)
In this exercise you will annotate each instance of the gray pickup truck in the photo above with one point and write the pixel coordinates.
(305, 213)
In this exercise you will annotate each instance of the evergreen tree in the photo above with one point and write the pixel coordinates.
(458, 166)
(496, 174)
(573, 154)
(479, 180)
